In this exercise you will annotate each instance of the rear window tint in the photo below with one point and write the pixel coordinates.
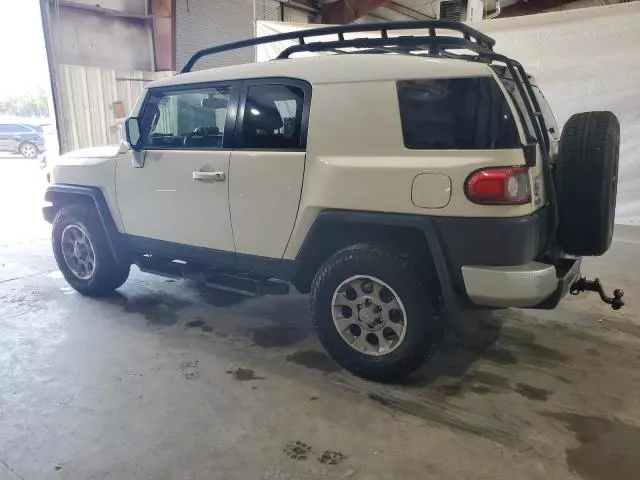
(457, 114)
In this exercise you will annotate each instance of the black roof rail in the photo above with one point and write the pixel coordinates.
(471, 39)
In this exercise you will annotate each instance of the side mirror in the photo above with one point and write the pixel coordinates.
(132, 133)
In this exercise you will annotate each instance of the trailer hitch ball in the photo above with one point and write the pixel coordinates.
(584, 285)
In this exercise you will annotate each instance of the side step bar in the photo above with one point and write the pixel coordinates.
(224, 280)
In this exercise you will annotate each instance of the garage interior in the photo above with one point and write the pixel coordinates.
(171, 380)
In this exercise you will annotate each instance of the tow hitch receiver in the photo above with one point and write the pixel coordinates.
(584, 285)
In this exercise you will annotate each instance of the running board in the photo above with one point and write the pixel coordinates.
(246, 284)
(224, 280)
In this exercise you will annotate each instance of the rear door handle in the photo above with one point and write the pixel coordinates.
(212, 176)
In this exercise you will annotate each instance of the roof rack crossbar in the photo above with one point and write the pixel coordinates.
(470, 36)
(433, 44)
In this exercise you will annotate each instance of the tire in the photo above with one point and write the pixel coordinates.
(422, 325)
(28, 150)
(106, 274)
(586, 177)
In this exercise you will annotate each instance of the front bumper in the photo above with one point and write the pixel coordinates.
(48, 212)
(535, 284)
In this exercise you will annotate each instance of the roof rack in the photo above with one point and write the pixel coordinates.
(471, 39)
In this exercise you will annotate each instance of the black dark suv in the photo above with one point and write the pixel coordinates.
(27, 140)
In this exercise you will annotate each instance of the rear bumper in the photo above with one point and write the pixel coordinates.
(533, 285)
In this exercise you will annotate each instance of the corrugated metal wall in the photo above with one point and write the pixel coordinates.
(203, 23)
(86, 102)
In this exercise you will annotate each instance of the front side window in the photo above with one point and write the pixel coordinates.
(456, 114)
(273, 118)
(193, 118)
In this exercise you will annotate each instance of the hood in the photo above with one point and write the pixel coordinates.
(86, 156)
(106, 151)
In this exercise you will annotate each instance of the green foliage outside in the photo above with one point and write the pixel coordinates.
(32, 104)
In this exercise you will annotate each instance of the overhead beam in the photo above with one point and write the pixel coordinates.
(409, 12)
(342, 12)
(531, 7)
(164, 33)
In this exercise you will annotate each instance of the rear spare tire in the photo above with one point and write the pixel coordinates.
(586, 177)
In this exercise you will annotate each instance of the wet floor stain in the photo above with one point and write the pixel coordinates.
(330, 457)
(563, 379)
(198, 323)
(450, 390)
(244, 374)
(539, 353)
(451, 360)
(277, 336)
(314, 360)
(480, 389)
(607, 449)
(533, 393)
(156, 308)
(523, 343)
(501, 356)
(221, 298)
(592, 352)
(297, 450)
(480, 382)
(201, 324)
(490, 379)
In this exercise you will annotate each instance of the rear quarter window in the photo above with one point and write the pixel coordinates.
(457, 114)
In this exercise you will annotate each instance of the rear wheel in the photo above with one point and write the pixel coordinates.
(373, 313)
(83, 253)
(586, 176)
(28, 150)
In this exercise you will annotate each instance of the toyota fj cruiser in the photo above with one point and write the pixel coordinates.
(397, 178)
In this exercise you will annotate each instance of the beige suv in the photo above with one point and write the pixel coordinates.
(398, 178)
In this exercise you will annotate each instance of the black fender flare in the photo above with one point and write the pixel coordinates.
(62, 195)
(422, 223)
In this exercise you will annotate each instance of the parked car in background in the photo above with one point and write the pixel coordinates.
(27, 140)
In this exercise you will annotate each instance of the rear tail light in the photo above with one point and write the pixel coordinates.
(499, 186)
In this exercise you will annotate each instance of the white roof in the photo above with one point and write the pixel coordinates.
(338, 69)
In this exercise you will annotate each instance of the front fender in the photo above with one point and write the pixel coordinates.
(60, 195)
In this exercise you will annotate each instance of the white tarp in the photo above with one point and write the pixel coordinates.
(586, 59)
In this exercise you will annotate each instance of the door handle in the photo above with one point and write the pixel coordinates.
(213, 176)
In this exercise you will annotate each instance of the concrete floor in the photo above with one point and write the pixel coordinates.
(165, 381)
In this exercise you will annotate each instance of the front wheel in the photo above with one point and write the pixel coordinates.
(83, 254)
(28, 150)
(373, 313)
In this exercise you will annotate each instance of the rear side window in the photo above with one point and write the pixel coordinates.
(273, 118)
(456, 114)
